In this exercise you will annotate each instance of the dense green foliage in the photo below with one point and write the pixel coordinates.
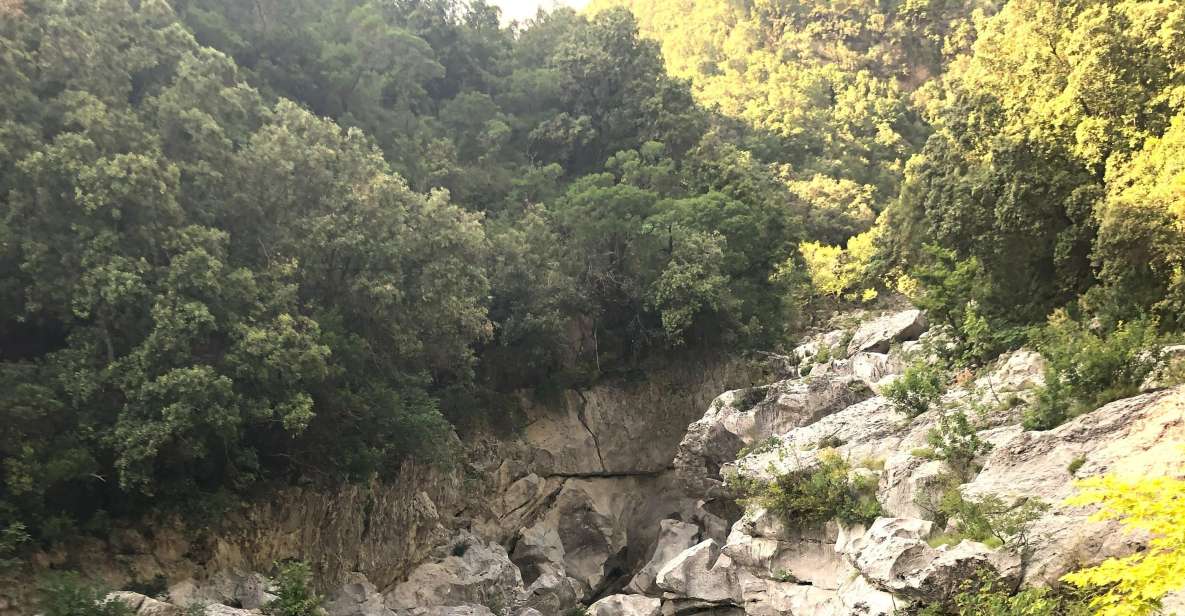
(245, 243)
(919, 387)
(814, 495)
(65, 594)
(829, 84)
(1055, 162)
(1086, 370)
(955, 440)
(294, 592)
(987, 595)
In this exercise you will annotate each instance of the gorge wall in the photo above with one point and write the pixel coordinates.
(623, 498)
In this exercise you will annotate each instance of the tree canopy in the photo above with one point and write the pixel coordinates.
(247, 243)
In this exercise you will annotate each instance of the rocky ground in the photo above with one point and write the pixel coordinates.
(614, 502)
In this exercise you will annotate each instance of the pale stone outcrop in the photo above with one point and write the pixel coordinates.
(700, 572)
(1172, 362)
(745, 417)
(217, 609)
(552, 593)
(472, 572)
(893, 555)
(864, 433)
(626, 605)
(591, 525)
(452, 610)
(673, 538)
(1132, 438)
(806, 352)
(765, 545)
(596, 431)
(911, 486)
(144, 606)
(879, 334)
(357, 597)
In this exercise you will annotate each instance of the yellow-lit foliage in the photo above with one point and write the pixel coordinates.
(1135, 584)
(840, 272)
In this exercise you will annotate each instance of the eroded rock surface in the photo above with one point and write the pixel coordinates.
(879, 334)
(632, 513)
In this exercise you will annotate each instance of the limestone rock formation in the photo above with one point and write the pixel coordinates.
(1131, 438)
(674, 537)
(699, 572)
(470, 572)
(142, 605)
(744, 417)
(626, 605)
(603, 503)
(879, 334)
(893, 555)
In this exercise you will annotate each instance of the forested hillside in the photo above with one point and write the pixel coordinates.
(247, 243)
(251, 241)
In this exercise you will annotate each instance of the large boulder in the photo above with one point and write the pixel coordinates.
(673, 538)
(808, 352)
(864, 432)
(893, 555)
(626, 605)
(451, 610)
(700, 572)
(875, 369)
(911, 486)
(142, 605)
(879, 334)
(218, 609)
(469, 571)
(552, 593)
(1131, 438)
(357, 597)
(763, 544)
(746, 417)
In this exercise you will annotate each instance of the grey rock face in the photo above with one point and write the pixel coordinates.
(472, 572)
(746, 417)
(893, 556)
(674, 537)
(357, 597)
(700, 572)
(626, 605)
(877, 335)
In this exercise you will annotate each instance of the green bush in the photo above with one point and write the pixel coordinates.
(989, 519)
(956, 441)
(917, 388)
(1087, 368)
(294, 592)
(759, 447)
(1076, 464)
(67, 594)
(812, 496)
(986, 595)
(11, 539)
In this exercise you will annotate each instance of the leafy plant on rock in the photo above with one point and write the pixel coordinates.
(812, 496)
(295, 595)
(916, 389)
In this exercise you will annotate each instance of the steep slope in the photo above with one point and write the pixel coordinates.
(643, 540)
